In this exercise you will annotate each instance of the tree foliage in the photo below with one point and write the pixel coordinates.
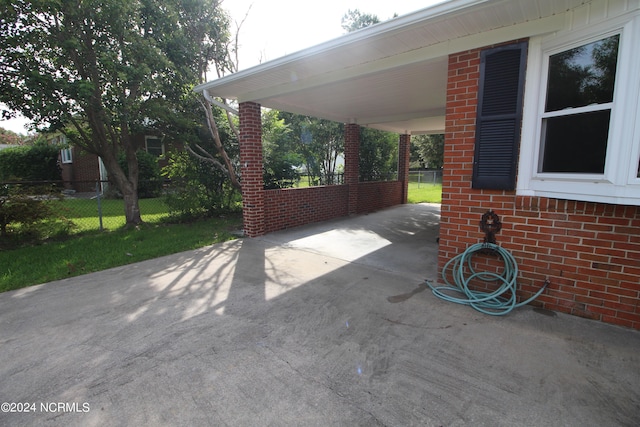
(280, 159)
(378, 155)
(430, 150)
(109, 69)
(319, 144)
(11, 138)
(354, 20)
(199, 190)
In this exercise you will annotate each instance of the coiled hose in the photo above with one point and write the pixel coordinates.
(494, 303)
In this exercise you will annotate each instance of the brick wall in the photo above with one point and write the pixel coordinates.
(86, 170)
(590, 252)
(373, 196)
(293, 207)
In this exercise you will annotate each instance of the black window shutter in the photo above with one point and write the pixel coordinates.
(501, 91)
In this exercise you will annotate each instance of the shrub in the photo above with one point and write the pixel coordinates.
(38, 162)
(28, 216)
(197, 189)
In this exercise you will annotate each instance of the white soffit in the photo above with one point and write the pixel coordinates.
(390, 76)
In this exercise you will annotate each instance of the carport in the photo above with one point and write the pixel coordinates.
(475, 70)
(392, 76)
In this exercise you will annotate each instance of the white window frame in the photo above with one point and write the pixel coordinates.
(619, 184)
(66, 155)
(148, 137)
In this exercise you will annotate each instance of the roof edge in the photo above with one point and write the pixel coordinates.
(432, 12)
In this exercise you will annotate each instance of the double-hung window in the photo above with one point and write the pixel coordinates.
(577, 112)
(154, 145)
(581, 132)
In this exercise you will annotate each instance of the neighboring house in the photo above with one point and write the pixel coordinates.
(538, 101)
(81, 171)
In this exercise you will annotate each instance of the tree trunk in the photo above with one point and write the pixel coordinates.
(131, 208)
(127, 186)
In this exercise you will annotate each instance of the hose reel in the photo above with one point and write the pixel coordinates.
(498, 302)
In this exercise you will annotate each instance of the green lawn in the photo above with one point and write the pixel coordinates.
(424, 193)
(32, 265)
(418, 192)
(84, 212)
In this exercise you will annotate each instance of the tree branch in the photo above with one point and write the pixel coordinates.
(213, 129)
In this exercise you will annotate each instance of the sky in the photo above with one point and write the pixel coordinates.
(275, 28)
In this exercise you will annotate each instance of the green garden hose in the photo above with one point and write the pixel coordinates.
(496, 303)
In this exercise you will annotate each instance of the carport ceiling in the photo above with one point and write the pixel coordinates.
(392, 75)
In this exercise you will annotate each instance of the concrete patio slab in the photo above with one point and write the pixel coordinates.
(329, 324)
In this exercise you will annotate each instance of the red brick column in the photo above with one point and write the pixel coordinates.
(459, 216)
(251, 167)
(403, 164)
(351, 165)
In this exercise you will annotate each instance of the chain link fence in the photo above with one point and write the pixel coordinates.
(425, 177)
(96, 207)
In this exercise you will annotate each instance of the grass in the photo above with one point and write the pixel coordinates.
(83, 212)
(33, 265)
(418, 192)
(424, 193)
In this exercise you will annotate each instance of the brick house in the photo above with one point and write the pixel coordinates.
(538, 101)
(82, 170)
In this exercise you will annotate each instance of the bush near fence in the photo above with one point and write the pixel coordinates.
(79, 212)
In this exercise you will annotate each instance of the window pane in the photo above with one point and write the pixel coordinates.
(154, 146)
(65, 155)
(582, 76)
(575, 143)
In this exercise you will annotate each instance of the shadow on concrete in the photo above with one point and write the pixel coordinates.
(322, 325)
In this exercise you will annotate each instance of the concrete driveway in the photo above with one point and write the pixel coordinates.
(328, 324)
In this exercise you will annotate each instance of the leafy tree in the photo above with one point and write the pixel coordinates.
(378, 155)
(108, 69)
(319, 143)
(354, 20)
(430, 150)
(197, 188)
(281, 162)
(223, 54)
(11, 138)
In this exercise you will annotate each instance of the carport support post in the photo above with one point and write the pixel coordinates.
(404, 152)
(251, 166)
(351, 165)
